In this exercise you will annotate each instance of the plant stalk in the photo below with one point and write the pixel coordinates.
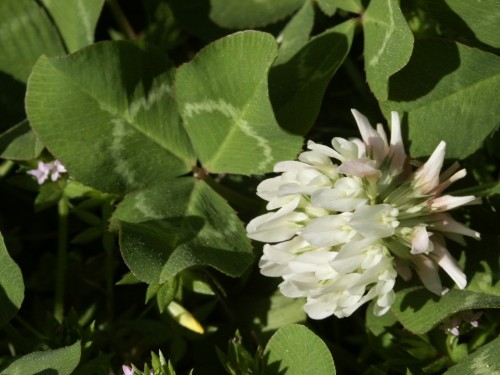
(62, 254)
(121, 19)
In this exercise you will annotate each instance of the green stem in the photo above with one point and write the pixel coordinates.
(121, 19)
(29, 327)
(62, 249)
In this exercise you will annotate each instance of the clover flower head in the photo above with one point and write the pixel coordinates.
(53, 169)
(345, 220)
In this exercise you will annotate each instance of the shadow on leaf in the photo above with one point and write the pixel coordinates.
(416, 299)
(8, 309)
(431, 60)
(272, 368)
(11, 101)
(147, 246)
(296, 88)
(453, 26)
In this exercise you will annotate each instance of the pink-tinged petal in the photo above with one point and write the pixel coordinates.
(420, 242)
(358, 168)
(127, 370)
(449, 171)
(373, 141)
(448, 202)
(445, 223)
(444, 259)
(396, 150)
(383, 135)
(446, 183)
(41, 173)
(403, 269)
(427, 177)
(428, 271)
(59, 167)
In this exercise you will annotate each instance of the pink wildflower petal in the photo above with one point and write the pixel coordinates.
(41, 173)
(59, 167)
(127, 370)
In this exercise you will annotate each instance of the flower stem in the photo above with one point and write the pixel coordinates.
(62, 249)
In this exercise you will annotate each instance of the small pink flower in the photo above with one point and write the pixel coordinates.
(52, 169)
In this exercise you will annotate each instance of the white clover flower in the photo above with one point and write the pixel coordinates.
(346, 220)
(52, 169)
